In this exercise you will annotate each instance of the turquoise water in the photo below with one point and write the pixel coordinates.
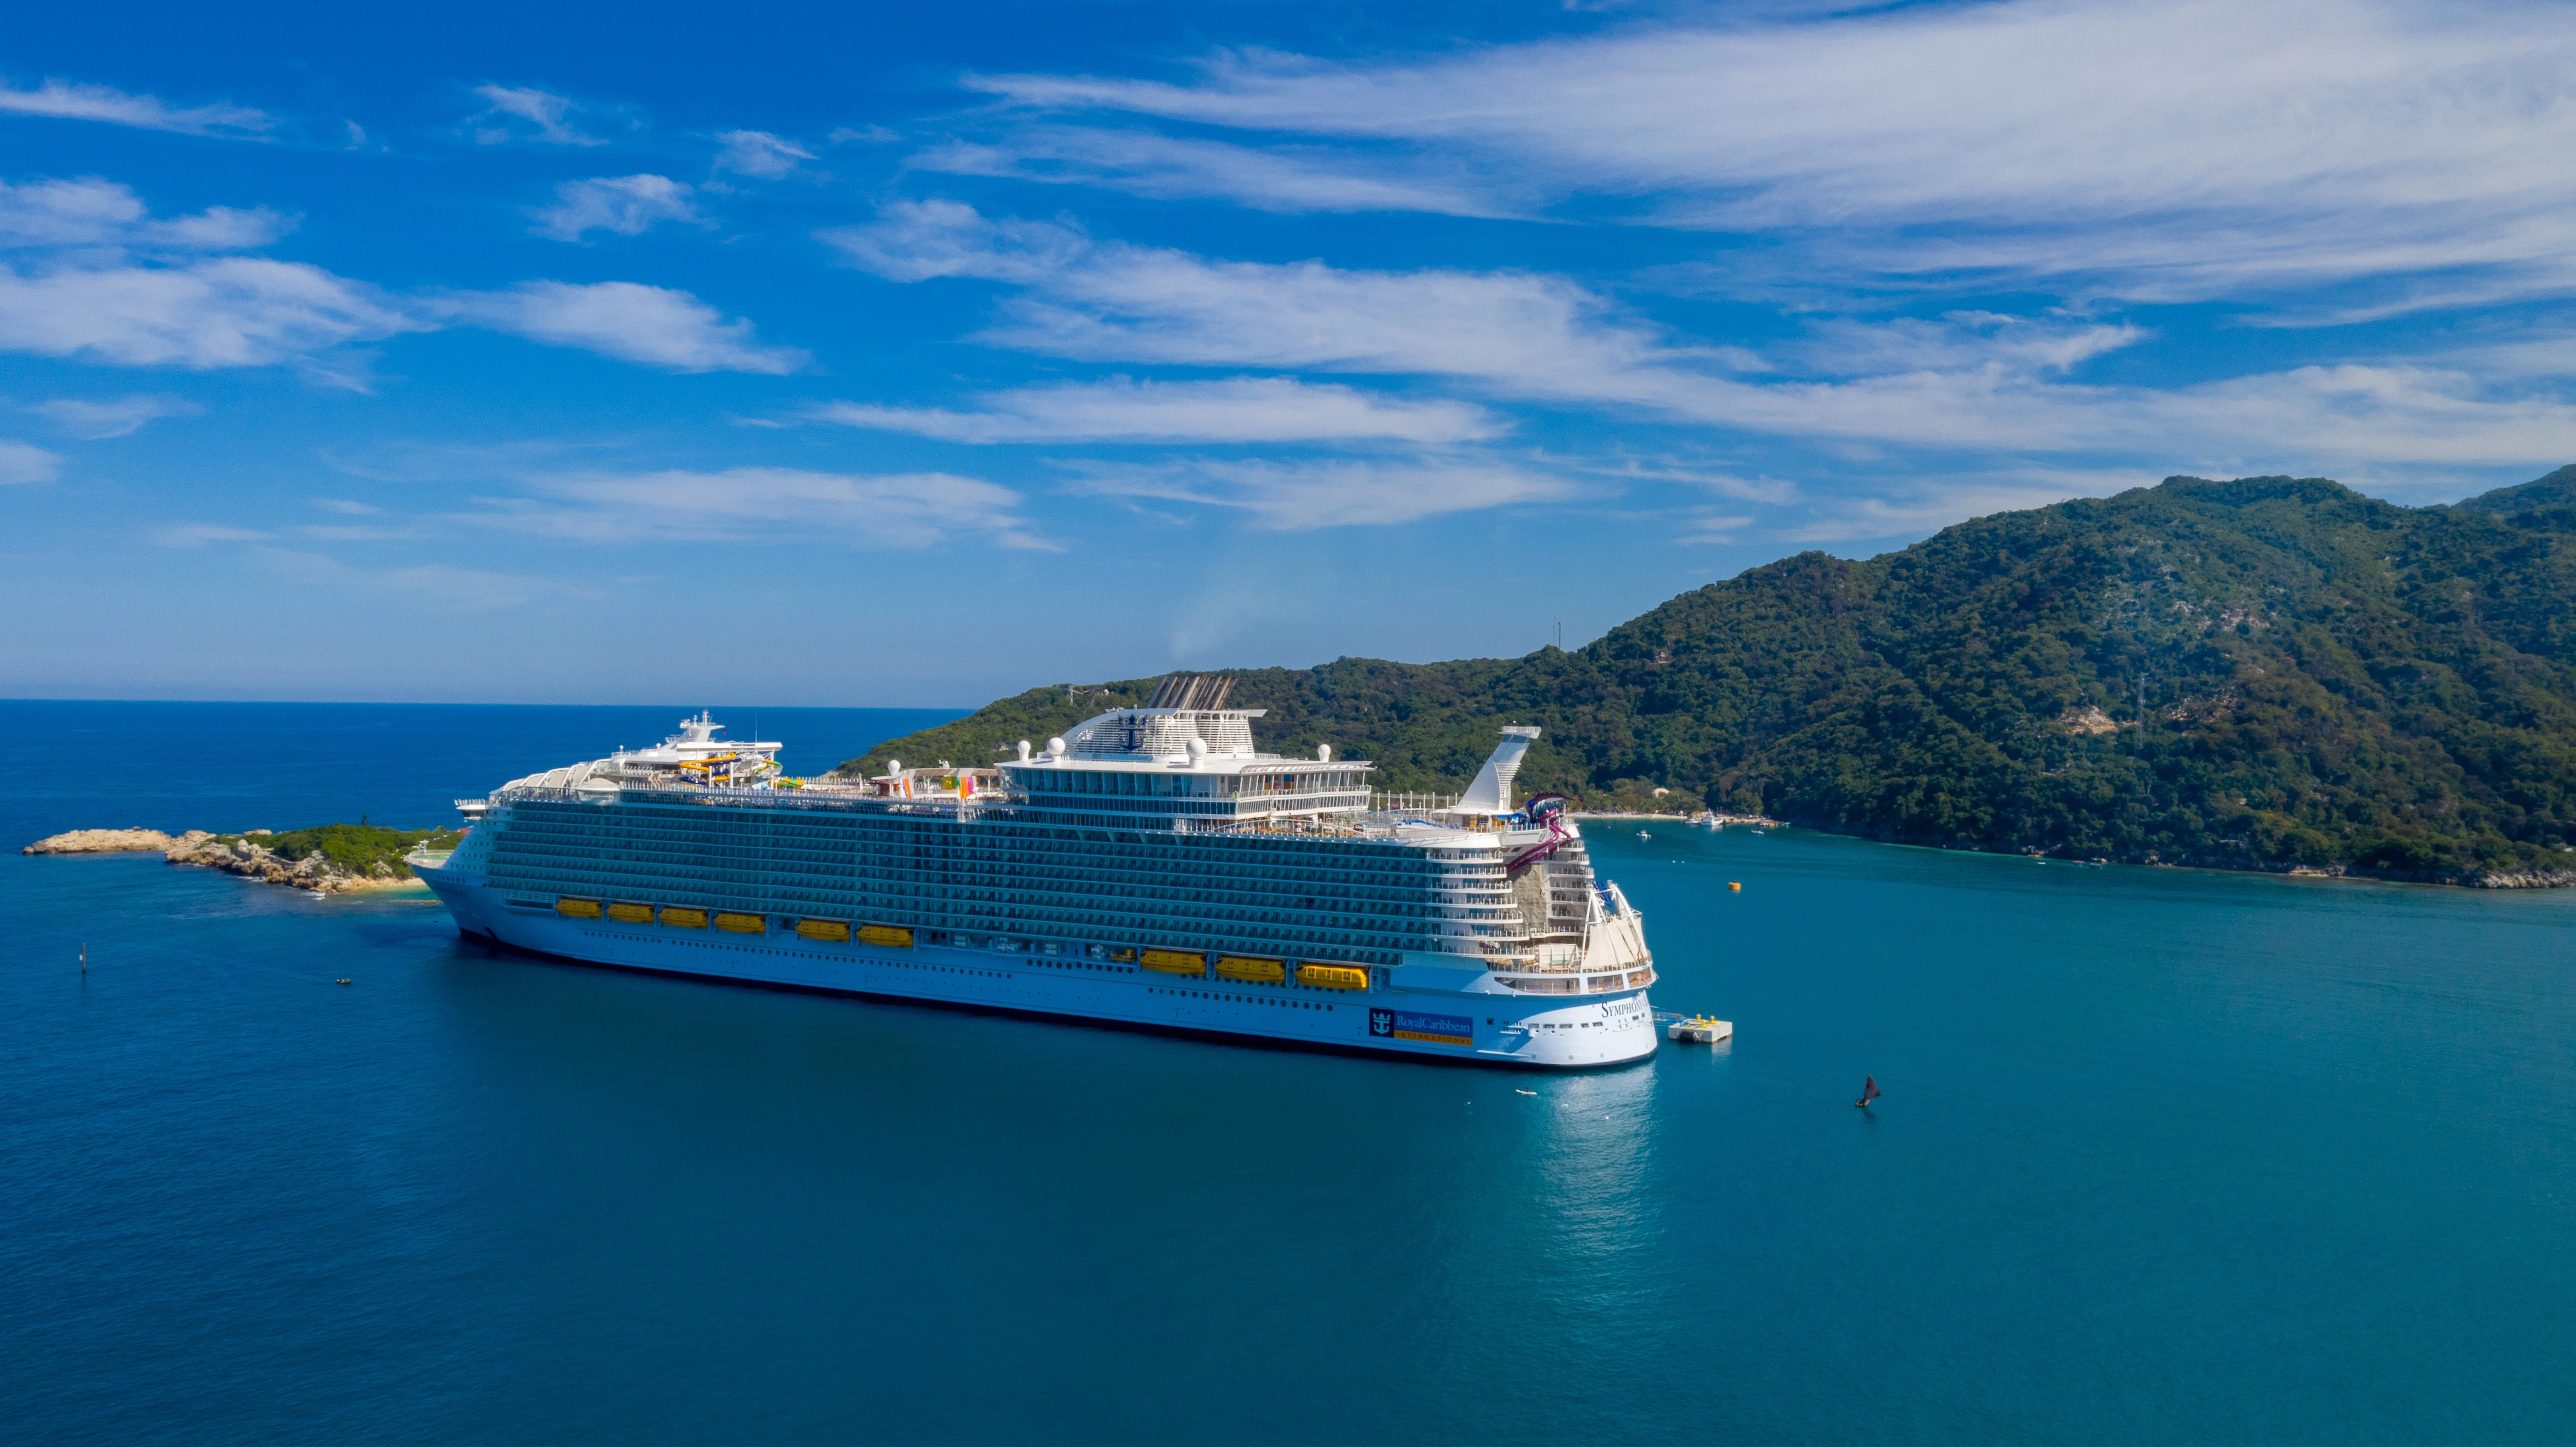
(2163, 1157)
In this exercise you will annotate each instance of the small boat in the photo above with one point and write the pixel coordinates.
(1516, 1090)
(1642, 834)
(1869, 1091)
(1699, 1030)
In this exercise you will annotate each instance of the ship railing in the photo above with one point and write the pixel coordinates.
(833, 800)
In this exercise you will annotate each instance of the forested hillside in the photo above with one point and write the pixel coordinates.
(2266, 673)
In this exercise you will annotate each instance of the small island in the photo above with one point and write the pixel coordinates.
(326, 858)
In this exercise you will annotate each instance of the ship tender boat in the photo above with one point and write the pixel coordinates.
(1151, 869)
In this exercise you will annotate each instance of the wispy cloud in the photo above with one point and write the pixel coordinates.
(98, 278)
(26, 462)
(626, 205)
(525, 113)
(1143, 163)
(653, 325)
(70, 100)
(764, 505)
(103, 216)
(759, 154)
(469, 590)
(198, 535)
(2169, 148)
(919, 240)
(226, 312)
(1234, 409)
(1971, 380)
(117, 417)
(1330, 493)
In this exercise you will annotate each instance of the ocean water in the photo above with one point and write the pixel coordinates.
(2163, 1157)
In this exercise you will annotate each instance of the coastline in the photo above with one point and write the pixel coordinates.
(236, 854)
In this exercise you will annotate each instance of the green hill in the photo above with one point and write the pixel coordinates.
(2267, 673)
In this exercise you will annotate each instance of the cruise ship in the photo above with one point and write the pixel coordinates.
(1151, 868)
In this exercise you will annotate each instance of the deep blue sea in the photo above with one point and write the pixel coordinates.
(2163, 1157)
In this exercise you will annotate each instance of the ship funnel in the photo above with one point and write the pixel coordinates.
(1491, 793)
(1191, 691)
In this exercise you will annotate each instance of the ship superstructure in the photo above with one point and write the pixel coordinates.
(1151, 868)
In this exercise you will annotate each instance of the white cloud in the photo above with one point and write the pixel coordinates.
(95, 213)
(118, 417)
(1234, 409)
(1839, 347)
(765, 504)
(918, 240)
(1329, 494)
(1112, 301)
(2155, 147)
(67, 100)
(225, 312)
(627, 320)
(440, 584)
(627, 205)
(525, 113)
(758, 153)
(1965, 381)
(26, 462)
(198, 535)
(1145, 164)
(1921, 505)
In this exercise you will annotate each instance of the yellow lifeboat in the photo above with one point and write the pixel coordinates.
(1173, 962)
(684, 918)
(630, 913)
(1258, 971)
(893, 937)
(578, 908)
(742, 924)
(1333, 977)
(824, 929)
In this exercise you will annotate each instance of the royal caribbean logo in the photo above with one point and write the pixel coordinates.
(1429, 1029)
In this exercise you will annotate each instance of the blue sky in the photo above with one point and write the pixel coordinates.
(916, 354)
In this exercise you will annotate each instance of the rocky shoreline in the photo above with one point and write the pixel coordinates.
(239, 854)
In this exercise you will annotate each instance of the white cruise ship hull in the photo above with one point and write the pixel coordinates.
(1449, 1024)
